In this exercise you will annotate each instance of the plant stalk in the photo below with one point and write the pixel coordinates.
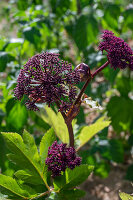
(100, 69)
(67, 119)
(71, 135)
(69, 127)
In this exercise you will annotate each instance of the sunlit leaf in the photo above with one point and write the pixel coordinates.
(24, 154)
(4, 59)
(9, 186)
(17, 116)
(72, 178)
(57, 122)
(47, 140)
(89, 131)
(125, 196)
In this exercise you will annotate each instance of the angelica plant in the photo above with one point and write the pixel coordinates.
(55, 170)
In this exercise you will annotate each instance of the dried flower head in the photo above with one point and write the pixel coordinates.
(47, 79)
(119, 53)
(84, 71)
(61, 157)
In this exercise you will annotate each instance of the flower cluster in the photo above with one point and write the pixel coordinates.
(47, 79)
(60, 157)
(119, 53)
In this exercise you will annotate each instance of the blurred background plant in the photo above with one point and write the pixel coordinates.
(72, 28)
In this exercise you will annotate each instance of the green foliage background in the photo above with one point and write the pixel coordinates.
(73, 29)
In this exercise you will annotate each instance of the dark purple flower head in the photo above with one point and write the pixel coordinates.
(61, 157)
(47, 79)
(84, 71)
(119, 53)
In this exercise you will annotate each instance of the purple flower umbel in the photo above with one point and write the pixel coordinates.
(47, 79)
(60, 157)
(119, 53)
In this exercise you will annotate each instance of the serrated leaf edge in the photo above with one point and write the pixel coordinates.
(41, 175)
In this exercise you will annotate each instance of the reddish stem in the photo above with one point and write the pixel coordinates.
(100, 69)
(67, 119)
(69, 127)
(71, 136)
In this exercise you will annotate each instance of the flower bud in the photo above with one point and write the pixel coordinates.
(60, 157)
(84, 71)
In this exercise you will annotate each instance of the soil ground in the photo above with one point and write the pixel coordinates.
(108, 188)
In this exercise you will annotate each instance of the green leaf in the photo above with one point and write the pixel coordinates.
(129, 174)
(24, 155)
(116, 150)
(2, 154)
(30, 146)
(10, 187)
(14, 43)
(9, 105)
(102, 169)
(72, 178)
(47, 140)
(23, 175)
(32, 34)
(4, 59)
(111, 149)
(38, 121)
(75, 194)
(124, 121)
(17, 116)
(128, 16)
(81, 116)
(124, 85)
(27, 177)
(2, 114)
(125, 196)
(111, 15)
(84, 3)
(22, 4)
(58, 124)
(89, 131)
(59, 7)
(110, 74)
(77, 175)
(83, 30)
